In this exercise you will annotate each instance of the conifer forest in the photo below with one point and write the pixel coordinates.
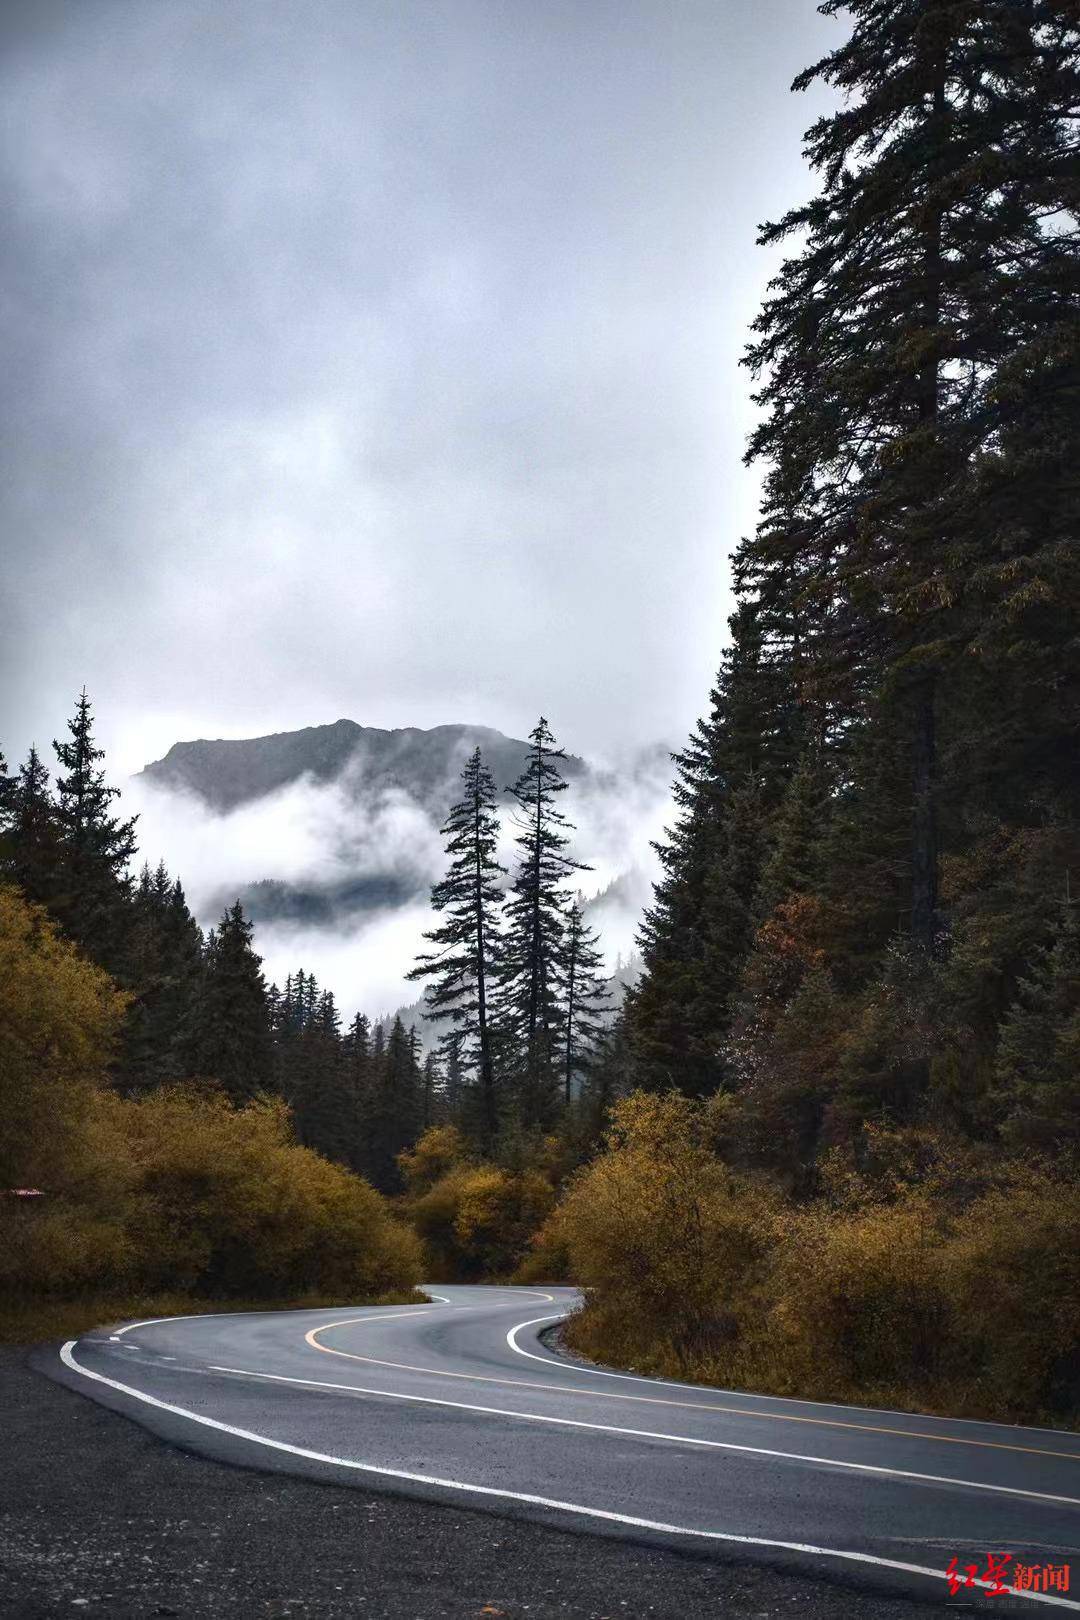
(828, 1142)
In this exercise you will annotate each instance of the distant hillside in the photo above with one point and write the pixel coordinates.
(229, 772)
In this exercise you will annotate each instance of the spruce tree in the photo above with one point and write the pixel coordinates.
(794, 864)
(92, 886)
(7, 792)
(531, 1009)
(940, 250)
(457, 1092)
(357, 1063)
(233, 1044)
(462, 963)
(1037, 1095)
(696, 936)
(30, 851)
(163, 965)
(433, 1091)
(322, 1091)
(395, 1106)
(585, 998)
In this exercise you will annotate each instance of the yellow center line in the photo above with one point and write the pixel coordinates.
(658, 1400)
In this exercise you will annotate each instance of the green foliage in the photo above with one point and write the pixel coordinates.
(89, 885)
(177, 1189)
(1038, 1060)
(466, 942)
(530, 1003)
(163, 962)
(856, 915)
(585, 1000)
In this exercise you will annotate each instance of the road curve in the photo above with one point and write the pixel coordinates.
(459, 1400)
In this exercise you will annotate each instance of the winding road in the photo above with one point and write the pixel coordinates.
(460, 1400)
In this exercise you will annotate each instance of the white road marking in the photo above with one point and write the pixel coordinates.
(198, 1316)
(758, 1414)
(606, 1515)
(210, 1316)
(651, 1434)
(557, 1362)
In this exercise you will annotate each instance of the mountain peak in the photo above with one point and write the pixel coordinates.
(227, 772)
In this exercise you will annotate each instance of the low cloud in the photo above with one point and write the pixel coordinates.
(319, 838)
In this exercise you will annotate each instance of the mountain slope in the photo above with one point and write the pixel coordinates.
(228, 772)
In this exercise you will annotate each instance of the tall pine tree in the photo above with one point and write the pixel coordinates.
(926, 312)
(30, 849)
(585, 998)
(531, 1009)
(91, 889)
(462, 963)
(233, 1043)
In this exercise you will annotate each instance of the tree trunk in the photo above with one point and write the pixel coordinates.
(924, 840)
(489, 1122)
(924, 855)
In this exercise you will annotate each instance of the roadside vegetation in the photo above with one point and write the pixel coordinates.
(830, 1143)
(929, 1277)
(110, 1203)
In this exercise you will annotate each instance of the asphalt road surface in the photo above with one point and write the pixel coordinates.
(459, 1400)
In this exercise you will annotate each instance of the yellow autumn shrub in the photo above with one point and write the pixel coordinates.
(474, 1220)
(671, 1246)
(59, 1020)
(955, 1292)
(1012, 1280)
(498, 1211)
(229, 1204)
(179, 1190)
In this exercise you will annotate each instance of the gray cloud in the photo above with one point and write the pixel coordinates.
(379, 359)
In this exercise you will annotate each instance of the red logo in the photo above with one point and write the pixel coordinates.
(994, 1581)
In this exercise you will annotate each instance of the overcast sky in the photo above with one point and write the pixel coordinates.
(378, 358)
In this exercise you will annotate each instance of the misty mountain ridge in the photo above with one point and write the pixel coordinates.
(226, 773)
(332, 829)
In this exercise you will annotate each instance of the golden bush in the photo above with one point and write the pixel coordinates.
(59, 1020)
(477, 1220)
(230, 1205)
(924, 1285)
(178, 1190)
(671, 1246)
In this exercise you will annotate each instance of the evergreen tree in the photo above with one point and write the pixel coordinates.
(357, 1066)
(323, 1099)
(696, 936)
(585, 997)
(30, 849)
(466, 942)
(163, 965)
(610, 1075)
(923, 313)
(233, 1043)
(530, 1007)
(433, 1091)
(92, 888)
(395, 1106)
(1038, 1060)
(794, 864)
(455, 1073)
(7, 792)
